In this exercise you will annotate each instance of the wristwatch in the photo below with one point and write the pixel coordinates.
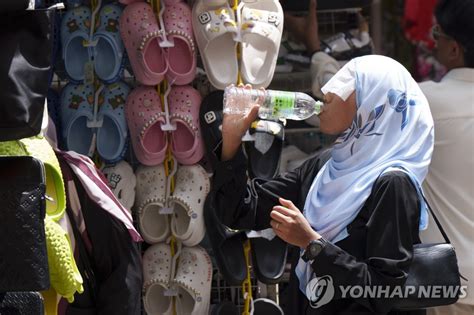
(313, 249)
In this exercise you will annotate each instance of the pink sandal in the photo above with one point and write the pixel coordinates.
(182, 57)
(187, 144)
(140, 33)
(144, 117)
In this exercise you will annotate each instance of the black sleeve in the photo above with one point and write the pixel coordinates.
(247, 205)
(117, 262)
(391, 230)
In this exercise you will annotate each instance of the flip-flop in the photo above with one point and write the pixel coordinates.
(113, 134)
(264, 153)
(227, 244)
(144, 118)
(187, 143)
(39, 148)
(140, 33)
(75, 28)
(193, 281)
(157, 266)
(263, 306)
(215, 28)
(77, 103)
(269, 259)
(191, 188)
(150, 199)
(182, 56)
(261, 30)
(211, 117)
(109, 51)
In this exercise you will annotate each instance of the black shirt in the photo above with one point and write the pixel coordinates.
(378, 250)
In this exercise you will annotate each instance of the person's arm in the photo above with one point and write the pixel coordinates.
(392, 229)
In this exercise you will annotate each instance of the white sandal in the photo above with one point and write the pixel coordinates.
(261, 29)
(156, 277)
(193, 281)
(150, 199)
(215, 30)
(192, 187)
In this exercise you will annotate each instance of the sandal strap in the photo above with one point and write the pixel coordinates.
(218, 22)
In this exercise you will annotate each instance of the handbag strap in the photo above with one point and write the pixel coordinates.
(421, 197)
(440, 227)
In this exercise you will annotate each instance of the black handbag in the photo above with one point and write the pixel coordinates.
(21, 303)
(25, 63)
(434, 278)
(23, 256)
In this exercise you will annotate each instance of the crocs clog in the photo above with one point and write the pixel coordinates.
(150, 199)
(140, 33)
(122, 182)
(77, 102)
(112, 136)
(187, 144)
(191, 188)
(109, 51)
(144, 118)
(193, 280)
(157, 262)
(182, 56)
(75, 29)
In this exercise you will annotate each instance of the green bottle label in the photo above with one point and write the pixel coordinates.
(282, 101)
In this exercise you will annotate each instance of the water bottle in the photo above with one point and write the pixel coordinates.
(273, 104)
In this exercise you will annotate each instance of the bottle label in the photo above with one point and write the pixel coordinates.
(282, 102)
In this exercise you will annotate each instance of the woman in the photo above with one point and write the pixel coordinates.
(354, 212)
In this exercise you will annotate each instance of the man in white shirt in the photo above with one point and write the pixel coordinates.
(449, 186)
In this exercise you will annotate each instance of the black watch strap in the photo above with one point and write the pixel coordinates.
(314, 248)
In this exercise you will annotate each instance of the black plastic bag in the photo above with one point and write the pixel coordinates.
(25, 62)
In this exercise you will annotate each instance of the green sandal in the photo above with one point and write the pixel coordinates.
(63, 273)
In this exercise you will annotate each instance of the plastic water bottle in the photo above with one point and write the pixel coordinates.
(273, 104)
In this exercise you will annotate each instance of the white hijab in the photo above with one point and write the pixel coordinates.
(393, 127)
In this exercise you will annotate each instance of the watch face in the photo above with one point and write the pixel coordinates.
(315, 249)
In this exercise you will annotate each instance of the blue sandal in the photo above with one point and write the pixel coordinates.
(109, 51)
(112, 136)
(77, 102)
(75, 28)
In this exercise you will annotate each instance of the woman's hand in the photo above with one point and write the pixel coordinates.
(291, 226)
(234, 127)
